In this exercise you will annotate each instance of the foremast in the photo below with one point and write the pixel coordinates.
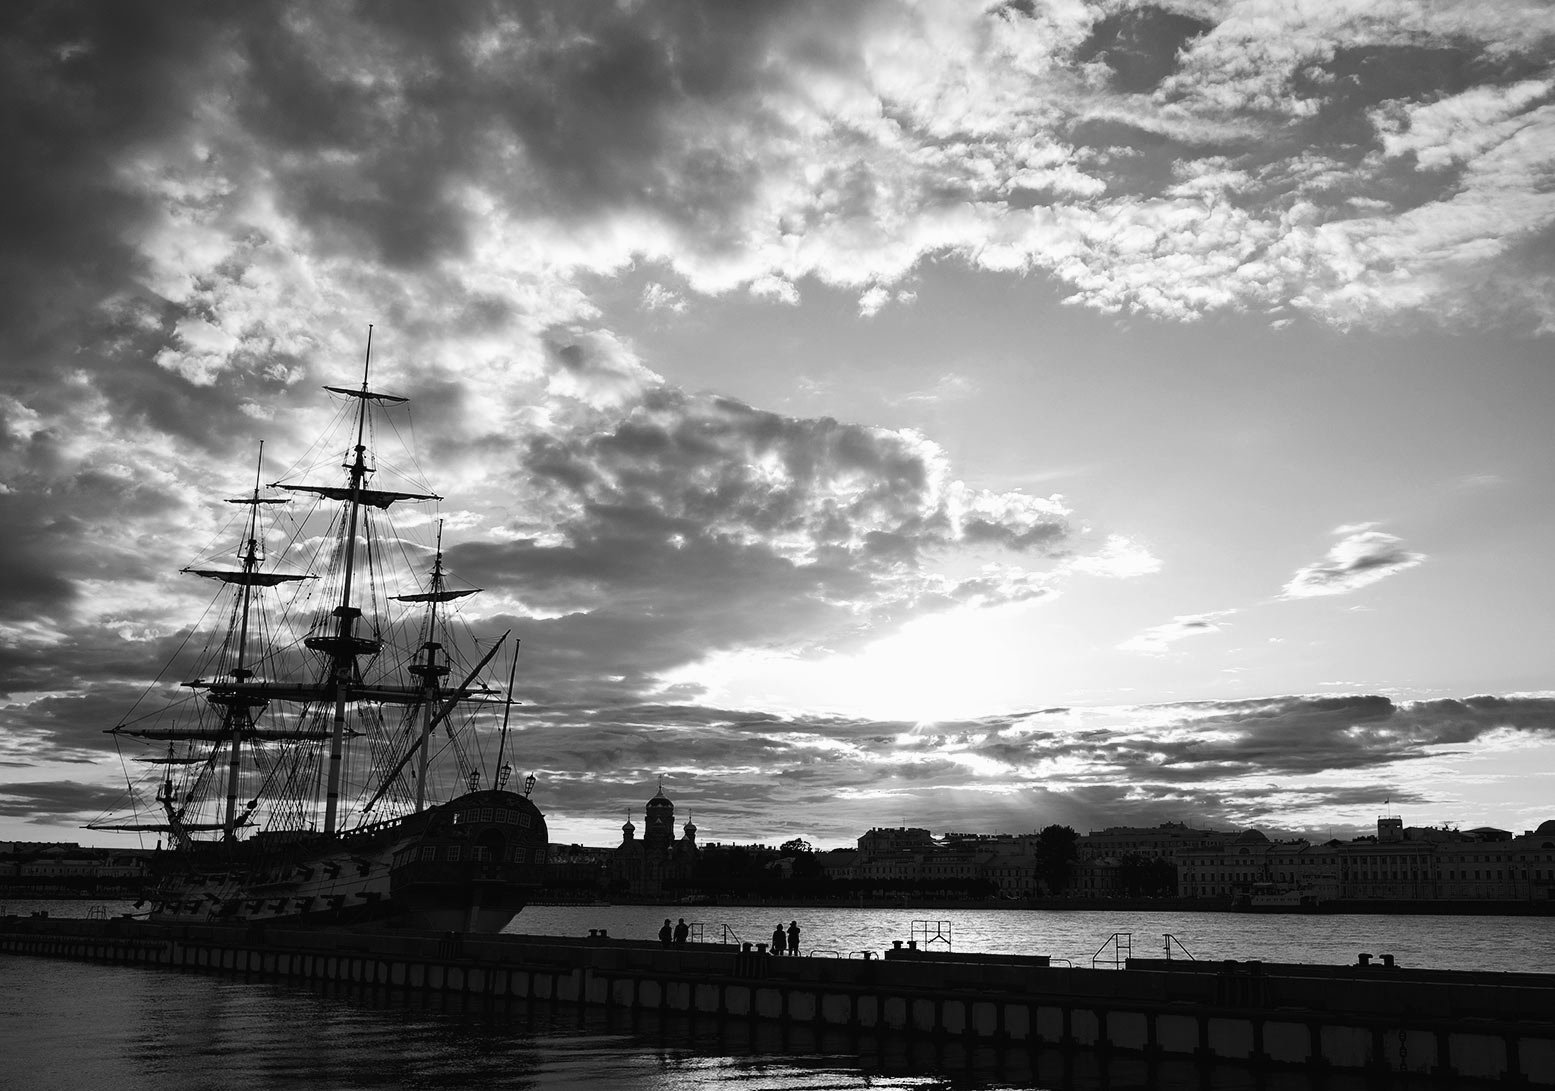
(236, 698)
(238, 709)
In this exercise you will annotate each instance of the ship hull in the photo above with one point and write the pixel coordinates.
(469, 865)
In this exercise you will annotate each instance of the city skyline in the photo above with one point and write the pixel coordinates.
(921, 414)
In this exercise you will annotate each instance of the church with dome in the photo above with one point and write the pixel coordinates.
(657, 864)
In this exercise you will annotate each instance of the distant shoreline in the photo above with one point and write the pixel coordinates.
(1126, 905)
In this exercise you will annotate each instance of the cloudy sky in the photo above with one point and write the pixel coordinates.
(972, 416)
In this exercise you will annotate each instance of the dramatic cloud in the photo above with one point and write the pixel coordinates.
(1361, 557)
(219, 183)
(1289, 763)
(649, 529)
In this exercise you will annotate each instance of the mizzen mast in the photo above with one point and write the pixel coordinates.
(431, 671)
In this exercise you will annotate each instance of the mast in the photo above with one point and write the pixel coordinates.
(507, 710)
(231, 692)
(430, 671)
(449, 705)
(237, 712)
(341, 685)
(431, 674)
(343, 667)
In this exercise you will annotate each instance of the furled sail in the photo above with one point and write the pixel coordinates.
(376, 498)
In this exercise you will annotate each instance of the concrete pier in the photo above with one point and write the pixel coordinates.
(1452, 1026)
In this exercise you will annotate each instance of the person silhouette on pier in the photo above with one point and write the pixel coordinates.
(793, 937)
(682, 930)
(779, 939)
(664, 933)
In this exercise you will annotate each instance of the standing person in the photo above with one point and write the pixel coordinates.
(779, 939)
(793, 937)
(681, 931)
(664, 933)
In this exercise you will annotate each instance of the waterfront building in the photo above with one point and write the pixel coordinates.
(68, 868)
(1096, 877)
(1398, 863)
(892, 842)
(658, 864)
(838, 865)
(894, 868)
(1251, 860)
(1150, 843)
(1012, 867)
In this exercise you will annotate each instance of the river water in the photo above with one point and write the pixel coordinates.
(1515, 944)
(69, 1026)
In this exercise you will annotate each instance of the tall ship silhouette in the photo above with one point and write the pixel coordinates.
(337, 755)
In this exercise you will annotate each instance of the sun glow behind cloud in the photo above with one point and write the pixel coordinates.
(962, 662)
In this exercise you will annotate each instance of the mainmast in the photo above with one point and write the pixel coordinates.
(344, 650)
(342, 683)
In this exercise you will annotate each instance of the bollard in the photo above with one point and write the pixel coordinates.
(1363, 960)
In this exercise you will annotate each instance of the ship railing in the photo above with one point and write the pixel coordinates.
(1122, 946)
(1169, 941)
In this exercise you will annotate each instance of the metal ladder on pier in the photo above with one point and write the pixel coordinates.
(1122, 944)
(697, 933)
(1119, 948)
